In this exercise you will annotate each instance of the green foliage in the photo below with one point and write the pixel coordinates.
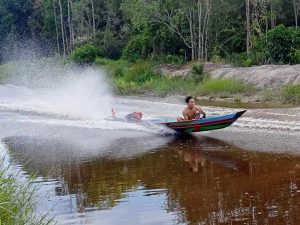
(296, 56)
(241, 59)
(224, 86)
(291, 94)
(282, 44)
(247, 62)
(216, 58)
(102, 61)
(164, 86)
(198, 72)
(174, 59)
(131, 28)
(140, 72)
(258, 51)
(139, 77)
(198, 69)
(17, 201)
(113, 67)
(135, 48)
(85, 54)
(109, 45)
(271, 95)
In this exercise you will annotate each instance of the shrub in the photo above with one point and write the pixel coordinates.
(112, 50)
(135, 48)
(17, 200)
(241, 59)
(197, 72)
(223, 86)
(296, 56)
(291, 94)
(85, 54)
(140, 72)
(216, 58)
(198, 69)
(174, 59)
(163, 86)
(247, 62)
(114, 67)
(102, 61)
(281, 44)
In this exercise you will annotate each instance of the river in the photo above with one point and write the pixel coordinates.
(91, 170)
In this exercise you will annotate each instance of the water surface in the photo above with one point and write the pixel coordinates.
(98, 171)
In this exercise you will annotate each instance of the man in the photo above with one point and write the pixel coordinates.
(192, 111)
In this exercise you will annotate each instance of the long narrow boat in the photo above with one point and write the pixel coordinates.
(209, 123)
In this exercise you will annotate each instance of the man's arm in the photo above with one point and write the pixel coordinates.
(185, 116)
(200, 110)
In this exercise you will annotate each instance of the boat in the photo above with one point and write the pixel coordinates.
(199, 125)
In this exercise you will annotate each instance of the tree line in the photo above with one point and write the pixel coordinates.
(192, 29)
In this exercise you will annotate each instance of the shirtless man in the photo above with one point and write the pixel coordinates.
(191, 112)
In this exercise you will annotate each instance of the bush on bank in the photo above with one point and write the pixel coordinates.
(291, 94)
(139, 77)
(17, 204)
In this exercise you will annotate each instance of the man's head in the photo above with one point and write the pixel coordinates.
(190, 101)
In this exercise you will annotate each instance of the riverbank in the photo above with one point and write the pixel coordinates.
(212, 84)
(160, 79)
(17, 205)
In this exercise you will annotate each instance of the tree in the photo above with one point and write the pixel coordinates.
(248, 27)
(296, 6)
(62, 28)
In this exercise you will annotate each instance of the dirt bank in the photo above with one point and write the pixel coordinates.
(268, 76)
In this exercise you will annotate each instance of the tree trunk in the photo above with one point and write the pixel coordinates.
(272, 14)
(248, 43)
(107, 27)
(56, 28)
(67, 41)
(266, 25)
(70, 26)
(296, 5)
(190, 18)
(199, 28)
(62, 27)
(93, 18)
(81, 25)
(207, 28)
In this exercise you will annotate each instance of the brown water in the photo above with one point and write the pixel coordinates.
(189, 180)
(109, 172)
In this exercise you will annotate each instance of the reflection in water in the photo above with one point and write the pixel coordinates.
(204, 180)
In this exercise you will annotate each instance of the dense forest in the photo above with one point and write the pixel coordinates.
(251, 31)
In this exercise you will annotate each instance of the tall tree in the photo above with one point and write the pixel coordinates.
(93, 19)
(296, 6)
(248, 27)
(62, 27)
(56, 28)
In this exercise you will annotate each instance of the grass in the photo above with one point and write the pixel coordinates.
(16, 201)
(223, 87)
(291, 94)
(139, 78)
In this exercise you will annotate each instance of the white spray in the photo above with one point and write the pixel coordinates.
(80, 93)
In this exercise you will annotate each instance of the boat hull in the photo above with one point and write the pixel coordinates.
(207, 124)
